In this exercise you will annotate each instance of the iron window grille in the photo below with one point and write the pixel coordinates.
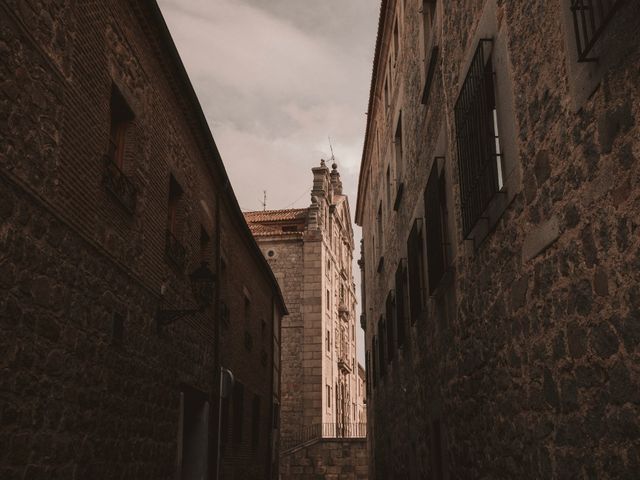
(590, 19)
(479, 153)
(416, 271)
(435, 213)
(175, 251)
(119, 185)
(401, 289)
(390, 312)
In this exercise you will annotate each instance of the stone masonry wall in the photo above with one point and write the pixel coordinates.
(328, 459)
(529, 359)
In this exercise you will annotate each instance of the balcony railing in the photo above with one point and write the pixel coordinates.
(590, 18)
(174, 250)
(119, 185)
(326, 430)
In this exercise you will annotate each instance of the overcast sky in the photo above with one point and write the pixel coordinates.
(275, 79)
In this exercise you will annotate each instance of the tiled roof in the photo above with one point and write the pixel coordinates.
(276, 215)
(270, 222)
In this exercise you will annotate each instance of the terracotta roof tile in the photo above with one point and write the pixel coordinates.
(276, 215)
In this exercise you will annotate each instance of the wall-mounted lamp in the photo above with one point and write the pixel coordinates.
(202, 282)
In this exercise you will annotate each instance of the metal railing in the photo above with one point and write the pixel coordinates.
(590, 18)
(325, 430)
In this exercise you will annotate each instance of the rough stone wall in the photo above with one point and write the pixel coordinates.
(329, 459)
(79, 398)
(530, 357)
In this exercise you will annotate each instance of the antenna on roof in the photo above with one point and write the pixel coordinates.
(333, 158)
(264, 201)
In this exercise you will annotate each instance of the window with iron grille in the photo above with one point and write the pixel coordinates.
(374, 364)
(436, 214)
(430, 48)
(401, 292)
(399, 158)
(415, 265)
(390, 312)
(382, 335)
(590, 19)
(479, 154)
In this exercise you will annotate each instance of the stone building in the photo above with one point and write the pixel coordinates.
(112, 194)
(499, 195)
(310, 251)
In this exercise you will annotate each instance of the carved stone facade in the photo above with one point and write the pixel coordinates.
(499, 195)
(92, 384)
(310, 251)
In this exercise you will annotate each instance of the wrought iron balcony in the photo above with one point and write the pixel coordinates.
(119, 185)
(590, 19)
(174, 250)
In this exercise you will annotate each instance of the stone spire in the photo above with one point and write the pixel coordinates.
(336, 183)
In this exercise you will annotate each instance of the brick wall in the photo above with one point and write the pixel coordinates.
(525, 364)
(82, 397)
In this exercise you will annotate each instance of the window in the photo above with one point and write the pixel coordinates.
(390, 312)
(380, 237)
(429, 46)
(174, 249)
(382, 335)
(205, 243)
(255, 422)
(436, 215)
(416, 271)
(388, 189)
(247, 308)
(114, 178)
(367, 361)
(121, 118)
(590, 18)
(479, 156)
(328, 340)
(401, 289)
(238, 411)
(396, 42)
(397, 142)
(328, 396)
(328, 300)
(374, 354)
(174, 219)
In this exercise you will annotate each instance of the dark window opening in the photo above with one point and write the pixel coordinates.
(415, 265)
(390, 312)
(205, 244)
(397, 142)
(328, 341)
(121, 118)
(382, 335)
(430, 48)
(374, 364)
(290, 228)
(401, 291)
(396, 42)
(479, 154)
(436, 218)
(590, 19)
